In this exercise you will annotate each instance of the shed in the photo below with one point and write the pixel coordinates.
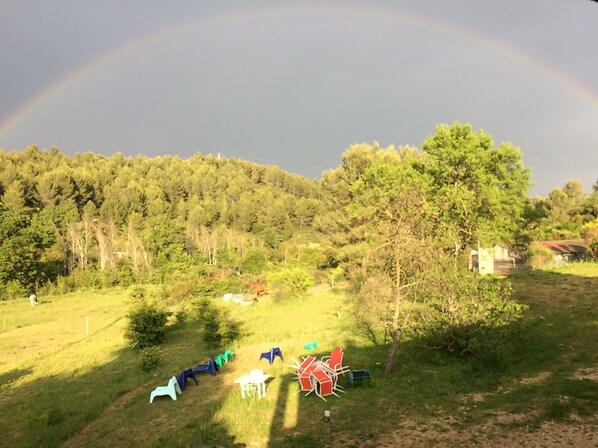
(565, 250)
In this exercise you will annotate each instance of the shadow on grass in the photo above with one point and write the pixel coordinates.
(108, 405)
(550, 376)
(13, 375)
(542, 379)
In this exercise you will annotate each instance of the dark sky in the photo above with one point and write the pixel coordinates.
(294, 84)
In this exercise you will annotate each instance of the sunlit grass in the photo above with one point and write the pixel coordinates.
(62, 387)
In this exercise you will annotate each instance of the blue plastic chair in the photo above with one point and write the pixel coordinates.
(272, 354)
(182, 378)
(210, 367)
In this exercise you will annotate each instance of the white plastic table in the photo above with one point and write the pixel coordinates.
(258, 380)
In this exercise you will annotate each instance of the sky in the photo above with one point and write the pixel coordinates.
(294, 84)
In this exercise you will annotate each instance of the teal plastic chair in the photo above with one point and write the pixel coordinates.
(311, 345)
(220, 360)
(229, 355)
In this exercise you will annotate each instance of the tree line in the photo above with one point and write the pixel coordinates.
(129, 218)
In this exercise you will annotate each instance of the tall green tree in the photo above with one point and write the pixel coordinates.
(480, 190)
(20, 248)
(393, 200)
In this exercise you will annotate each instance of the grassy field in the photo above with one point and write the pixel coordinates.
(69, 379)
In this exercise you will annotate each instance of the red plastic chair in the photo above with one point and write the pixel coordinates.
(324, 384)
(335, 361)
(306, 381)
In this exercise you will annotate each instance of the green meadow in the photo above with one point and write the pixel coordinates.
(68, 378)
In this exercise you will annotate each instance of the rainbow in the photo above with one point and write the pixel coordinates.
(384, 16)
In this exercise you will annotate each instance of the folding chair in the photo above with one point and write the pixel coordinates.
(335, 361)
(306, 381)
(324, 384)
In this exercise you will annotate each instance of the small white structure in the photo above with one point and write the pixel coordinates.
(33, 300)
(482, 260)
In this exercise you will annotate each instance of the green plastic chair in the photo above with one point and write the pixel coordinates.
(311, 345)
(220, 360)
(229, 355)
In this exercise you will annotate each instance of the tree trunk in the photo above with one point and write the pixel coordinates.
(394, 329)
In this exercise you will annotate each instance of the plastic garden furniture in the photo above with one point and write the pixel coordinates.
(182, 378)
(359, 376)
(170, 389)
(220, 360)
(272, 354)
(311, 345)
(229, 355)
(210, 367)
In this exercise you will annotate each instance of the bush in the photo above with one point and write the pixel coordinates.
(12, 290)
(254, 261)
(147, 324)
(540, 257)
(150, 358)
(219, 330)
(293, 282)
(475, 315)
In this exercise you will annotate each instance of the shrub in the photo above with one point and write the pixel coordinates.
(150, 358)
(540, 257)
(13, 289)
(179, 287)
(219, 329)
(254, 261)
(147, 324)
(475, 315)
(290, 281)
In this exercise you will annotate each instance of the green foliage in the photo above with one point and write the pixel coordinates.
(418, 212)
(481, 189)
(540, 257)
(475, 315)
(219, 329)
(13, 289)
(147, 324)
(179, 287)
(292, 282)
(253, 261)
(150, 358)
(334, 274)
(20, 249)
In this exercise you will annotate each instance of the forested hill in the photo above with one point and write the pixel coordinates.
(93, 211)
(122, 220)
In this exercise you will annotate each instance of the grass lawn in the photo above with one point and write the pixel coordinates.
(68, 377)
